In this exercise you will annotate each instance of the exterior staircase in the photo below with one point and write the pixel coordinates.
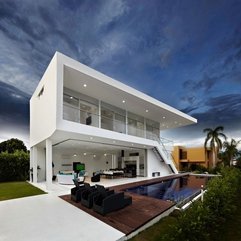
(164, 156)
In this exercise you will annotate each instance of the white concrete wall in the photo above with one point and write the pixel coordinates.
(155, 165)
(43, 107)
(91, 131)
(59, 161)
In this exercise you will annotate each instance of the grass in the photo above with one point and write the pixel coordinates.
(155, 232)
(11, 190)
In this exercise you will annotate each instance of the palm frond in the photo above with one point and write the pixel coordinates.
(207, 130)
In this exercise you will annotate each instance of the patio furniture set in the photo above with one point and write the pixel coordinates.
(101, 199)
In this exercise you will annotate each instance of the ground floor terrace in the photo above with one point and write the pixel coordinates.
(148, 210)
(53, 216)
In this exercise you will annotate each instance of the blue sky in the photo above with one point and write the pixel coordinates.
(184, 53)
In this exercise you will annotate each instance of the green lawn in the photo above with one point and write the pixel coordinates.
(156, 231)
(10, 190)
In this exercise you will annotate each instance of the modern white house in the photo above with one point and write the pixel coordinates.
(78, 114)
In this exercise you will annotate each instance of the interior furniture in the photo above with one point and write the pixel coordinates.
(95, 178)
(66, 178)
(113, 173)
(110, 203)
(130, 171)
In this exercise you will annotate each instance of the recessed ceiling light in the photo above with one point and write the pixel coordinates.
(75, 155)
(85, 154)
(123, 101)
(94, 155)
(164, 117)
(105, 154)
(85, 85)
(71, 97)
(147, 111)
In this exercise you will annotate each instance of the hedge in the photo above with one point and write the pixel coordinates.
(14, 166)
(203, 220)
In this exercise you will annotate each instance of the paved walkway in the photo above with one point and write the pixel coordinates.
(49, 218)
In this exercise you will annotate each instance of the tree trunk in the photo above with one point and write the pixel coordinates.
(231, 160)
(214, 158)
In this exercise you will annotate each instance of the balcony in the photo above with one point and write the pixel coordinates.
(110, 121)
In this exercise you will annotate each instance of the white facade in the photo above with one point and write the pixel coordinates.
(79, 114)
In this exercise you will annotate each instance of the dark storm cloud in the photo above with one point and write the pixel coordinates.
(7, 8)
(223, 110)
(184, 53)
(205, 84)
(71, 4)
(14, 106)
(35, 32)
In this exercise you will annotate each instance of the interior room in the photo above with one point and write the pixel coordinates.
(98, 157)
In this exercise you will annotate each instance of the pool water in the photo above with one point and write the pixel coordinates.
(176, 190)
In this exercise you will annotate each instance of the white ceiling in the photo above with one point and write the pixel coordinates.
(114, 92)
(78, 147)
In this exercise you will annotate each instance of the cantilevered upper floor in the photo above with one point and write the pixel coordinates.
(74, 98)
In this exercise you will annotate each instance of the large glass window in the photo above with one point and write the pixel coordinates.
(135, 125)
(112, 118)
(152, 130)
(80, 108)
(89, 113)
(71, 108)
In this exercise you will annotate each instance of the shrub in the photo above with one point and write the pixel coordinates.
(14, 166)
(203, 220)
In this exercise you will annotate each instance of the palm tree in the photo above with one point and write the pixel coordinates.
(214, 141)
(231, 150)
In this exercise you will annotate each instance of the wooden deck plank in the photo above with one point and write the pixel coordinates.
(130, 218)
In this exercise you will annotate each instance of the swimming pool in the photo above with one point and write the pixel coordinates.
(176, 190)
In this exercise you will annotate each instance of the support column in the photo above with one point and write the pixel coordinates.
(31, 165)
(138, 166)
(35, 164)
(126, 122)
(48, 164)
(145, 128)
(113, 161)
(99, 113)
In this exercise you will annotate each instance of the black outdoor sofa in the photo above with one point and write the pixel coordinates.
(78, 189)
(100, 198)
(106, 204)
(88, 195)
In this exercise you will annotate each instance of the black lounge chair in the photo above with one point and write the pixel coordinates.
(77, 190)
(110, 203)
(95, 178)
(87, 196)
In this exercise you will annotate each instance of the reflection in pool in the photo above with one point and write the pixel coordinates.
(176, 190)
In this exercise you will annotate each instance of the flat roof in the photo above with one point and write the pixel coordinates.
(88, 81)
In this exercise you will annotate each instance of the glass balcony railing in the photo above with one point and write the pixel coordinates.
(74, 114)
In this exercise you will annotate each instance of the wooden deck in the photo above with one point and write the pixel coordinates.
(129, 219)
